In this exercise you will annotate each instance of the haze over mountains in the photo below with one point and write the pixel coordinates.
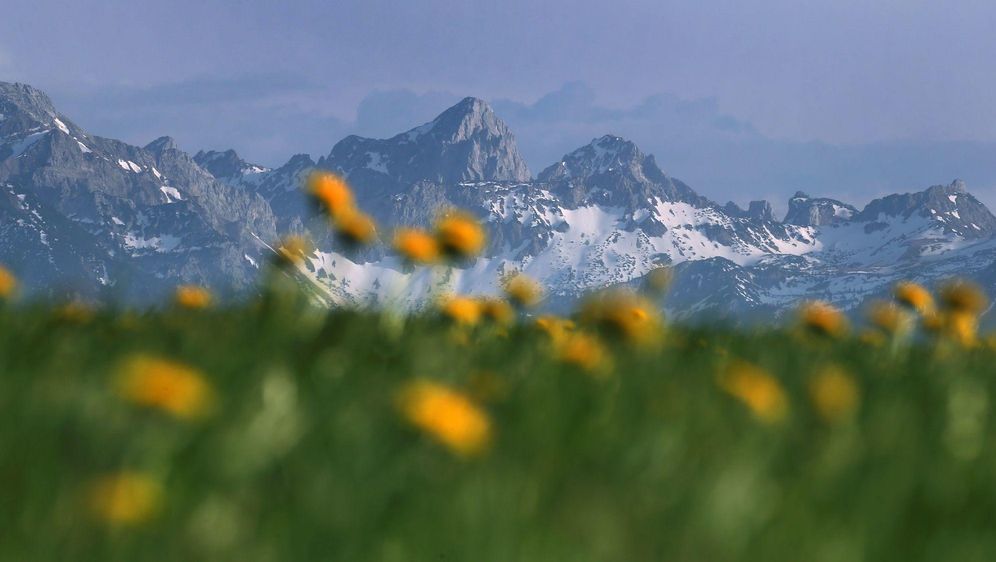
(103, 219)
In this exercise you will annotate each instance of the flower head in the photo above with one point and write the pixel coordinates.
(192, 297)
(758, 390)
(834, 394)
(125, 498)
(887, 317)
(75, 312)
(523, 291)
(355, 227)
(823, 319)
(583, 351)
(962, 296)
(292, 250)
(416, 246)
(625, 314)
(962, 327)
(167, 385)
(497, 310)
(331, 193)
(556, 327)
(460, 235)
(462, 310)
(8, 283)
(914, 296)
(447, 415)
(659, 280)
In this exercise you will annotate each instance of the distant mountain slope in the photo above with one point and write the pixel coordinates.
(79, 210)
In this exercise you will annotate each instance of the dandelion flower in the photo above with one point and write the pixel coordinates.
(583, 351)
(173, 387)
(125, 499)
(823, 319)
(963, 328)
(8, 283)
(834, 394)
(292, 250)
(758, 390)
(659, 280)
(462, 310)
(448, 416)
(523, 291)
(962, 296)
(75, 312)
(555, 327)
(887, 317)
(460, 235)
(625, 314)
(914, 296)
(416, 246)
(355, 227)
(498, 311)
(331, 193)
(192, 297)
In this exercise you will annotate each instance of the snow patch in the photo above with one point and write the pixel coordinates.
(171, 193)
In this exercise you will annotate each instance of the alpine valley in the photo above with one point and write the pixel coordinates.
(97, 218)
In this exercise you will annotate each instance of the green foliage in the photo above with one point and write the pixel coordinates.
(305, 456)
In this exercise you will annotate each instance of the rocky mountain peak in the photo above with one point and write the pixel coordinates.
(226, 165)
(161, 145)
(756, 210)
(609, 153)
(817, 211)
(951, 206)
(466, 143)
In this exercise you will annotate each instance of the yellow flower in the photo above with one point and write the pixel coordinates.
(355, 227)
(659, 280)
(462, 310)
(914, 296)
(125, 498)
(416, 245)
(963, 297)
(173, 387)
(8, 283)
(192, 297)
(963, 328)
(874, 338)
(292, 250)
(625, 314)
(448, 416)
(331, 193)
(758, 390)
(523, 290)
(823, 319)
(886, 316)
(583, 351)
(834, 393)
(557, 328)
(75, 312)
(460, 235)
(497, 311)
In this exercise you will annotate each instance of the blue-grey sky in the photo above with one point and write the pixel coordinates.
(741, 99)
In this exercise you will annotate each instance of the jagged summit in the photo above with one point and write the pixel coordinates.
(950, 205)
(226, 165)
(161, 145)
(465, 143)
(817, 211)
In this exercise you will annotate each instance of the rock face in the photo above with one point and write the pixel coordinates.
(94, 216)
(89, 215)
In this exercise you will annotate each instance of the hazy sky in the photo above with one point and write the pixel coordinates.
(741, 99)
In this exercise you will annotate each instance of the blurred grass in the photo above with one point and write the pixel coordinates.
(305, 456)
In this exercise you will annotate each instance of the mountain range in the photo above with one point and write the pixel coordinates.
(99, 218)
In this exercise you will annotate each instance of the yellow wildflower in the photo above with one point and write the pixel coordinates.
(823, 319)
(292, 250)
(192, 297)
(331, 193)
(173, 387)
(126, 498)
(416, 245)
(448, 416)
(834, 394)
(497, 311)
(624, 313)
(583, 351)
(522, 290)
(355, 227)
(914, 296)
(887, 317)
(555, 327)
(462, 310)
(962, 327)
(8, 283)
(963, 297)
(659, 280)
(758, 390)
(460, 235)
